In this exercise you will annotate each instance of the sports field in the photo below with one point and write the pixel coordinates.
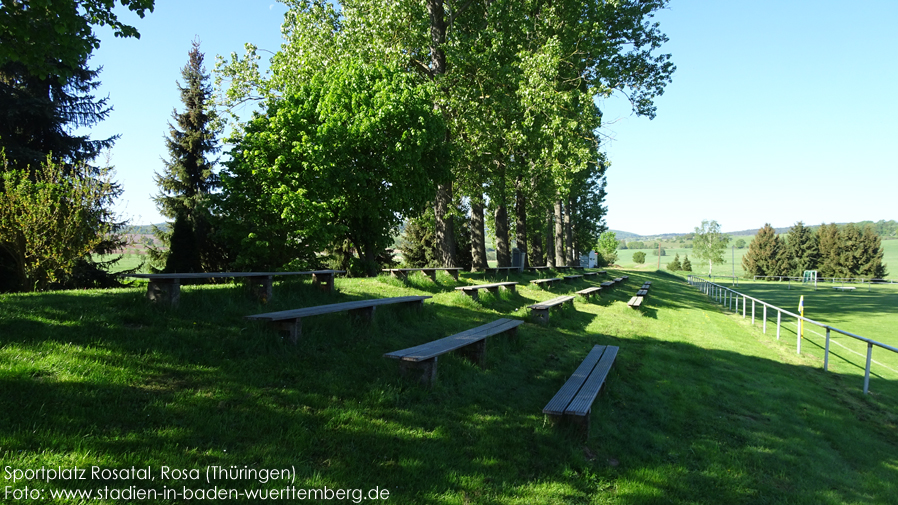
(870, 311)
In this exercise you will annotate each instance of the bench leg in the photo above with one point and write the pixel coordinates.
(165, 291)
(473, 293)
(512, 333)
(260, 288)
(476, 352)
(366, 313)
(293, 329)
(580, 423)
(541, 316)
(425, 371)
(510, 288)
(431, 273)
(454, 274)
(494, 290)
(401, 275)
(324, 282)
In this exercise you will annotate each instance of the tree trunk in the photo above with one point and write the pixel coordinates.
(575, 244)
(520, 208)
(550, 258)
(559, 234)
(569, 235)
(478, 234)
(445, 235)
(503, 255)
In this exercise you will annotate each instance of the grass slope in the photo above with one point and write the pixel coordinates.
(699, 406)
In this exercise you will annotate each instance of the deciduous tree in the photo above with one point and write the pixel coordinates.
(709, 243)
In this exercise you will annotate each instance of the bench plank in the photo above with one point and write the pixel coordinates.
(635, 302)
(582, 403)
(558, 404)
(472, 290)
(572, 277)
(435, 348)
(589, 291)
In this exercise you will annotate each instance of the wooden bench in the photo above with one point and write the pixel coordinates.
(624, 278)
(647, 285)
(290, 321)
(590, 273)
(535, 269)
(402, 273)
(642, 292)
(618, 280)
(166, 288)
(588, 292)
(540, 311)
(496, 270)
(572, 277)
(573, 402)
(635, 302)
(549, 281)
(844, 288)
(423, 358)
(607, 284)
(602, 272)
(493, 288)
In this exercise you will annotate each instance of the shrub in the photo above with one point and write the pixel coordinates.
(639, 257)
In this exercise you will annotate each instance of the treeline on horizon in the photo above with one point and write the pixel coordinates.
(847, 251)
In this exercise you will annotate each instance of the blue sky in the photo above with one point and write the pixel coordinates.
(779, 111)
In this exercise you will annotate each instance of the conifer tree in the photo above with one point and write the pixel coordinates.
(871, 265)
(675, 264)
(687, 265)
(851, 251)
(828, 244)
(188, 179)
(766, 254)
(801, 250)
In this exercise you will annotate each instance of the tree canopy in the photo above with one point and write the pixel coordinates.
(709, 243)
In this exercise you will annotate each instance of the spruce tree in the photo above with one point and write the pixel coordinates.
(829, 245)
(851, 251)
(801, 250)
(766, 254)
(871, 265)
(188, 179)
(687, 265)
(675, 264)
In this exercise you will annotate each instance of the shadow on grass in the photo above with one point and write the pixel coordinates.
(127, 384)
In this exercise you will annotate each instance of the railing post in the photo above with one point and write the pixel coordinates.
(752, 311)
(765, 318)
(867, 370)
(826, 352)
(743, 306)
(779, 316)
(798, 339)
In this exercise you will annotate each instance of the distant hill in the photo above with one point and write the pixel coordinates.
(885, 229)
(143, 229)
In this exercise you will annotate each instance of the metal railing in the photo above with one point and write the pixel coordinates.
(726, 296)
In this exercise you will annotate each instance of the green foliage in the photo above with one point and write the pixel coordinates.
(870, 261)
(189, 179)
(675, 265)
(740, 243)
(657, 252)
(344, 157)
(801, 251)
(710, 243)
(636, 245)
(51, 218)
(829, 243)
(766, 254)
(687, 265)
(639, 257)
(606, 249)
(417, 242)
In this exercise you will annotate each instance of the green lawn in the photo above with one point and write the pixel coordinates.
(699, 406)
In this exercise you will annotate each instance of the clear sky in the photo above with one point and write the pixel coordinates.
(779, 111)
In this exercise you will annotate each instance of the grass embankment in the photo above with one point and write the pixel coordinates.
(698, 407)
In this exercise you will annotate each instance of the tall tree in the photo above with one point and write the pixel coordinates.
(189, 178)
(871, 265)
(829, 242)
(766, 254)
(801, 250)
(709, 243)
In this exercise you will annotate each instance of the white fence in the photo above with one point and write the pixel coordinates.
(728, 297)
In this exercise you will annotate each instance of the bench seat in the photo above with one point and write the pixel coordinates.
(635, 302)
(291, 320)
(493, 288)
(590, 273)
(618, 280)
(586, 293)
(540, 311)
(608, 284)
(642, 292)
(548, 281)
(572, 277)
(402, 273)
(423, 358)
(573, 402)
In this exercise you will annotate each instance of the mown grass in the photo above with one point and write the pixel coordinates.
(868, 311)
(698, 408)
